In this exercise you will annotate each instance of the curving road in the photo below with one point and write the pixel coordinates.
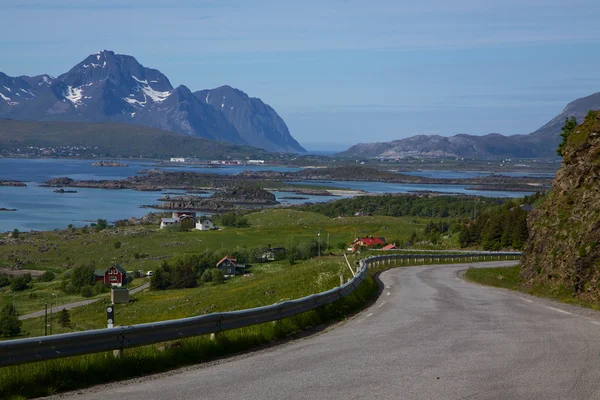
(429, 336)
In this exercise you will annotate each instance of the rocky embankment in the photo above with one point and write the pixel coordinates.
(12, 183)
(109, 164)
(563, 250)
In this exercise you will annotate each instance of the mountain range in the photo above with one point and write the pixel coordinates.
(109, 87)
(539, 144)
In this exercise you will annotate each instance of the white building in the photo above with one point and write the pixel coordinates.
(256, 161)
(164, 222)
(205, 225)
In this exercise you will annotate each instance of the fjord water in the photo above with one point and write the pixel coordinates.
(40, 208)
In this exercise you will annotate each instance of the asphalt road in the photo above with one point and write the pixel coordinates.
(70, 306)
(429, 336)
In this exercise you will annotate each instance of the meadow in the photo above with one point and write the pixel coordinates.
(145, 247)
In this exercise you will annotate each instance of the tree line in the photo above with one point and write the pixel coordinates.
(401, 205)
(499, 228)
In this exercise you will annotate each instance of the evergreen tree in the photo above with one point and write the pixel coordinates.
(10, 325)
(566, 131)
(64, 318)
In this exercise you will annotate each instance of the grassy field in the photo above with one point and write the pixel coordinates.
(270, 283)
(145, 247)
(508, 278)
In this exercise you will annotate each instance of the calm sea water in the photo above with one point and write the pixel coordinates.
(475, 174)
(40, 208)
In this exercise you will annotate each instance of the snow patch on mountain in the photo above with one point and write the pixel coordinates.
(8, 100)
(7, 88)
(74, 95)
(155, 95)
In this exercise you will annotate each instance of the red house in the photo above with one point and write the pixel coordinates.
(115, 275)
(369, 241)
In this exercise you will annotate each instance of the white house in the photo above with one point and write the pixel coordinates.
(205, 225)
(177, 159)
(164, 222)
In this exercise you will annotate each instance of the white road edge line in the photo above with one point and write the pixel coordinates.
(368, 315)
(382, 304)
(595, 322)
(527, 300)
(559, 310)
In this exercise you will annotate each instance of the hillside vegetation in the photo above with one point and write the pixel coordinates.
(562, 251)
(116, 140)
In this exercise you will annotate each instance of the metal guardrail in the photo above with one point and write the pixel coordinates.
(42, 348)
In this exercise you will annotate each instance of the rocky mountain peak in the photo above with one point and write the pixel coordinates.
(107, 86)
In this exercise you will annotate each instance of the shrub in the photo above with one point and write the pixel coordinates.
(10, 325)
(20, 283)
(47, 276)
(85, 229)
(217, 275)
(64, 318)
(101, 225)
(87, 291)
(4, 281)
(15, 233)
(206, 276)
(117, 245)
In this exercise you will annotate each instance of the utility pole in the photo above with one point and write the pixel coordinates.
(319, 242)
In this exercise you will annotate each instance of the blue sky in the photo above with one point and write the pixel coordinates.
(339, 72)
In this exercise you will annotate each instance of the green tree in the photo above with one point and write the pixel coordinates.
(217, 275)
(64, 318)
(20, 283)
(10, 325)
(47, 276)
(206, 276)
(15, 233)
(566, 131)
(82, 276)
(101, 225)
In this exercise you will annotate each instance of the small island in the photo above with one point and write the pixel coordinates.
(7, 209)
(65, 191)
(109, 164)
(12, 183)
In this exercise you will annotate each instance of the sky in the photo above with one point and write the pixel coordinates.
(339, 72)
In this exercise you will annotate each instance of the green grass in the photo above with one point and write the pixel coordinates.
(59, 250)
(508, 278)
(49, 377)
(270, 283)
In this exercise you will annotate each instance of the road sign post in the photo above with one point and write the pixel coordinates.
(110, 316)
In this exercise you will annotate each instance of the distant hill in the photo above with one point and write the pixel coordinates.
(116, 140)
(540, 144)
(109, 87)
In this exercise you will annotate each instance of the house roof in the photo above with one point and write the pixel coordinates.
(390, 247)
(119, 268)
(232, 260)
(371, 241)
(173, 220)
(102, 272)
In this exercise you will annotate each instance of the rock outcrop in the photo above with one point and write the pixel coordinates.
(563, 248)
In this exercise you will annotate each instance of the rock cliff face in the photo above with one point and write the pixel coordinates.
(562, 250)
